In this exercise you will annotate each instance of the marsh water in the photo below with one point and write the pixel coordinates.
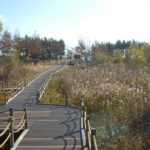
(107, 129)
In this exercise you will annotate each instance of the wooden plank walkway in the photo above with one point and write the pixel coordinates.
(50, 126)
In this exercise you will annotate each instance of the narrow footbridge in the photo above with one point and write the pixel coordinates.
(45, 127)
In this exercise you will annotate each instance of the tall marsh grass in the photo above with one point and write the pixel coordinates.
(118, 100)
(24, 70)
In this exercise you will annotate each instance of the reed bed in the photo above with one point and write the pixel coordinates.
(118, 100)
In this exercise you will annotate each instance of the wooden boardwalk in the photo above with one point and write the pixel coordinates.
(50, 126)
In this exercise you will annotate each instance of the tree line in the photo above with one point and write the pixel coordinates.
(83, 49)
(133, 54)
(31, 48)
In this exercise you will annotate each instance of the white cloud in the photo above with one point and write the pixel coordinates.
(125, 20)
(122, 19)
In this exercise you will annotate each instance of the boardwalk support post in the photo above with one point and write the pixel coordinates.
(11, 131)
(26, 123)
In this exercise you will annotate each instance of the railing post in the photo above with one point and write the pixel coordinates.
(13, 91)
(11, 112)
(82, 106)
(11, 131)
(87, 129)
(6, 96)
(82, 100)
(84, 119)
(21, 84)
(37, 96)
(88, 118)
(93, 133)
(2, 85)
(7, 84)
(17, 88)
(66, 99)
(88, 132)
(26, 123)
(24, 82)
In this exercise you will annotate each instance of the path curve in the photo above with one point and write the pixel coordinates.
(50, 126)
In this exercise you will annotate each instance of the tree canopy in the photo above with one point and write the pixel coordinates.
(31, 47)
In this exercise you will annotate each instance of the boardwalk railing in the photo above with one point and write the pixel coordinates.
(90, 133)
(10, 129)
(8, 88)
(43, 86)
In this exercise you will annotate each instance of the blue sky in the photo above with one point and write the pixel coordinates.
(101, 20)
